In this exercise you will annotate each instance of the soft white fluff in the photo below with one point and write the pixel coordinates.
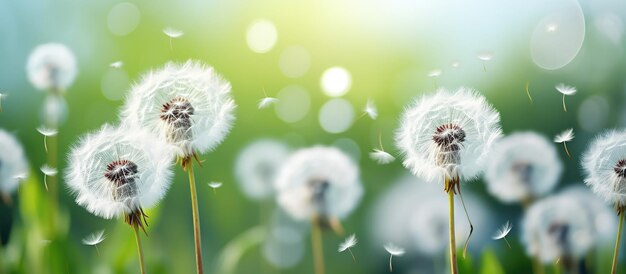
(194, 83)
(13, 163)
(604, 218)
(600, 163)
(88, 161)
(557, 227)
(521, 166)
(306, 166)
(256, 167)
(51, 67)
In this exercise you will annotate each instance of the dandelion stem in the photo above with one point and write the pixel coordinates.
(564, 107)
(528, 93)
(567, 150)
(51, 186)
(45, 143)
(139, 250)
(619, 238)
(196, 218)
(353, 258)
(450, 188)
(537, 266)
(390, 265)
(318, 251)
(507, 242)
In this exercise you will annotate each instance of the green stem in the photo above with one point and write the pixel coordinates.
(139, 250)
(619, 238)
(53, 187)
(318, 250)
(196, 218)
(450, 188)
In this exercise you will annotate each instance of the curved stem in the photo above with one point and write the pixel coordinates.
(453, 264)
(196, 218)
(619, 238)
(318, 251)
(390, 266)
(567, 150)
(139, 250)
(564, 107)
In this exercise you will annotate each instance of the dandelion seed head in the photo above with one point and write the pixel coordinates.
(266, 102)
(557, 227)
(48, 170)
(448, 134)
(189, 105)
(371, 110)
(349, 242)
(318, 182)
(565, 136)
(46, 131)
(565, 89)
(604, 162)
(13, 163)
(257, 165)
(521, 166)
(116, 171)
(172, 32)
(381, 157)
(94, 238)
(394, 249)
(51, 67)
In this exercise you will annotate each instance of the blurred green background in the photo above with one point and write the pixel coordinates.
(389, 49)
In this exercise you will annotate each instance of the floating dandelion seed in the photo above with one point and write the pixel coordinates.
(393, 250)
(172, 33)
(380, 156)
(13, 164)
(94, 239)
(564, 137)
(266, 102)
(48, 171)
(485, 57)
(117, 64)
(522, 167)
(370, 109)
(350, 242)
(51, 67)
(434, 74)
(565, 90)
(502, 232)
(47, 132)
(215, 185)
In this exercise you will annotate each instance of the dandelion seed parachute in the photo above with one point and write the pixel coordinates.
(557, 228)
(371, 110)
(51, 67)
(522, 166)
(256, 167)
(94, 238)
(116, 172)
(448, 134)
(349, 242)
(13, 163)
(318, 182)
(189, 105)
(604, 163)
(381, 157)
(266, 102)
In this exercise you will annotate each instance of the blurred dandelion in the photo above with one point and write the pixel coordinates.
(117, 64)
(113, 173)
(13, 165)
(172, 33)
(348, 243)
(522, 167)
(47, 132)
(370, 109)
(189, 106)
(215, 185)
(564, 137)
(51, 67)
(445, 137)
(380, 156)
(94, 239)
(502, 232)
(320, 184)
(48, 171)
(485, 56)
(256, 167)
(565, 90)
(604, 163)
(393, 250)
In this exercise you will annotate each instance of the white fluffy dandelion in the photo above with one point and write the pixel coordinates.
(256, 167)
(319, 183)
(370, 109)
(604, 163)
(564, 137)
(51, 67)
(94, 239)
(189, 105)
(565, 90)
(48, 171)
(521, 167)
(13, 163)
(347, 244)
(117, 172)
(47, 132)
(448, 134)
(393, 250)
(557, 228)
(502, 232)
